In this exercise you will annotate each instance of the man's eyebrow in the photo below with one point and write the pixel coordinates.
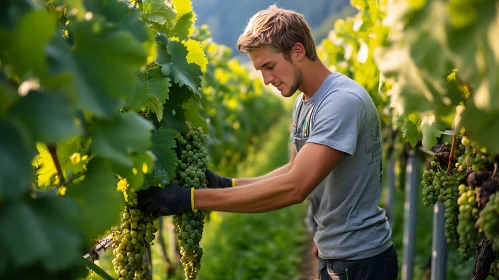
(264, 65)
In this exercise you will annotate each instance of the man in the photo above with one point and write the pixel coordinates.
(336, 162)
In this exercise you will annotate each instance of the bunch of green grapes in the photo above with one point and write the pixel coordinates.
(440, 185)
(468, 215)
(489, 220)
(190, 173)
(494, 268)
(473, 159)
(131, 239)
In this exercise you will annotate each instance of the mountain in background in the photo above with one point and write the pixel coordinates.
(228, 18)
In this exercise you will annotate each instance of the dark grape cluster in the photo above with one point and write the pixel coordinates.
(131, 239)
(485, 184)
(468, 215)
(190, 173)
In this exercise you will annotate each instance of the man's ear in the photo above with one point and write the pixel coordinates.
(298, 52)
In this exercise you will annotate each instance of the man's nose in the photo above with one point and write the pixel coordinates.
(267, 78)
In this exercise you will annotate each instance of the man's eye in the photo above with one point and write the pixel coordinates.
(270, 67)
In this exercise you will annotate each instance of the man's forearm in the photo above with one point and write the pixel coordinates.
(267, 195)
(279, 171)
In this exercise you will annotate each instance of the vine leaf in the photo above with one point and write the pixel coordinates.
(174, 63)
(98, 197)
(47, 117)
(430, 130)
(163, 144)
(411, 128)
(15, 162)
(118, 138)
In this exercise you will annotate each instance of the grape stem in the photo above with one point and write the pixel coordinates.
(427, 152)
(451, 154)
(495, 169)
(53, 152)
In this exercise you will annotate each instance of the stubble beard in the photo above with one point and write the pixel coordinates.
(297, 84)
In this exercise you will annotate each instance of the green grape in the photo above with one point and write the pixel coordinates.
(189, 226)
(468, 214)
(440, 185)
(489, 220)
(131, 239)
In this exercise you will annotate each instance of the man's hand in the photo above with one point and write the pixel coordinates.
(216, 181)
(165, 201)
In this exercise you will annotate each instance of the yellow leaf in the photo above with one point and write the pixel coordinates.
(183, 7)
(196, 54)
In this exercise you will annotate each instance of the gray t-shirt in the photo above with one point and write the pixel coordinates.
(342, 115)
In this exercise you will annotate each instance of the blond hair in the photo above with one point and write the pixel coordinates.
(279, 28)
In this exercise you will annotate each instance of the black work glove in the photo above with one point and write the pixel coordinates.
(216, 181)
(170, 200)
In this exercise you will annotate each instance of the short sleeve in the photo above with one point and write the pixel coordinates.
(337, 120)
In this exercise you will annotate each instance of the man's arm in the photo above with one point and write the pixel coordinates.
(279, 171)
(308, 169)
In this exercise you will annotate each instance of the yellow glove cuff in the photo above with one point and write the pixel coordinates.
(233, 182)
(192, 201)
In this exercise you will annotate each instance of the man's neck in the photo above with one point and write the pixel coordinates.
(314, 75)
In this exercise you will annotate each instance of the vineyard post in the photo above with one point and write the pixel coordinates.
(390, 193)
(410, 211)
(439, 244)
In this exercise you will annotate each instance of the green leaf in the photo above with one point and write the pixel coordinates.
(99, 271)
(139, 95)
(193, 115)
(142, 164)
(166, 158)
(103, 63)
(159, 15)
(411, 128)
(15, 162)
(47, 117)
(60, 218)
(158, 7)
(159, 85)
(156, 107)
(10, 14)
(26, 53)
(65, 149)
(481, 126)
(175, 64)
(430, 130)
(119, 138)
(8, 95)
(99, 200)
(151, 91)
(24, 239)
(182, 26)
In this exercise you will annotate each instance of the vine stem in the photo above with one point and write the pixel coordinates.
(53, 152)
(70, 180)
(451, 154)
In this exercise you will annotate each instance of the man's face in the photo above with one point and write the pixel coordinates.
(276, 70)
